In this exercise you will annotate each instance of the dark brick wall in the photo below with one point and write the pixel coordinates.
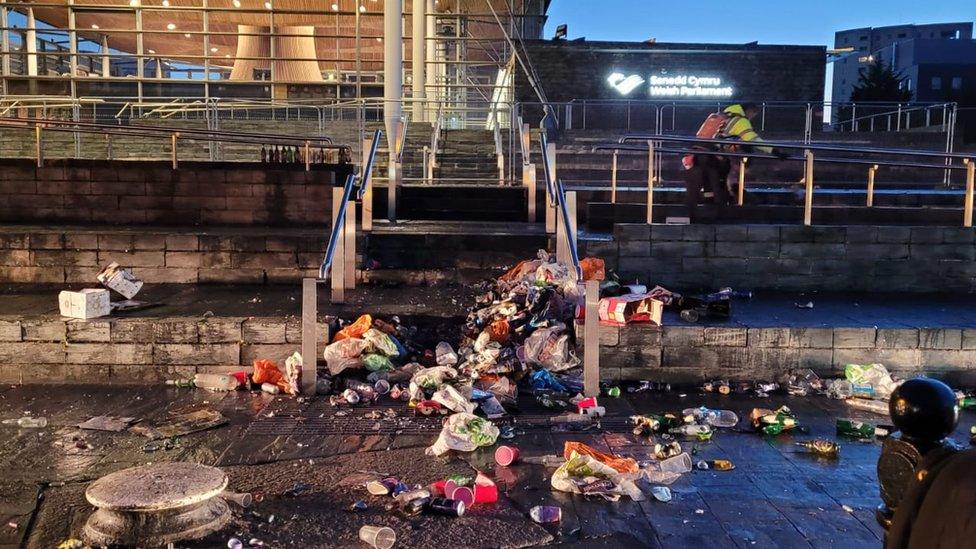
(578, 70)
(152, 193)
(795, 257)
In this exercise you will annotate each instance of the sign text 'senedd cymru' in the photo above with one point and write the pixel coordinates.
(686, 85)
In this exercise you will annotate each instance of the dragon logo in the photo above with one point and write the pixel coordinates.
(624, 84)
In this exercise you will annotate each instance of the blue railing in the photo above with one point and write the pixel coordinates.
(557, 194)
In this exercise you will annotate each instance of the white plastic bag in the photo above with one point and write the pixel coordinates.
(550, 347)
(464, 432)
(580, 470)
(450, 398)
(344, 354)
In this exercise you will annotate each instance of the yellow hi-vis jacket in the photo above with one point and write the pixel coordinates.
(740, 127)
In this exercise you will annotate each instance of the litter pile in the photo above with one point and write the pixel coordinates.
(96, 302)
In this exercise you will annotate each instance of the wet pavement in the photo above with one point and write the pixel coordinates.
(777, 496)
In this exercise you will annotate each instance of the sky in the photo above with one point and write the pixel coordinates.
(738, 21)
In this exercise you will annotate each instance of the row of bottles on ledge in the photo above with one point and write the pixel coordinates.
(294, 154)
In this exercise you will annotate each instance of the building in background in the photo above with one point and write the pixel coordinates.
(937, 61)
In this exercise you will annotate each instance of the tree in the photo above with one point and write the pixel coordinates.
(880, 82)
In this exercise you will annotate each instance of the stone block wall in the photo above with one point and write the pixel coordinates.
(794, 257)
(689, 354)
(152, 193)
(65, 255)
(141, 350)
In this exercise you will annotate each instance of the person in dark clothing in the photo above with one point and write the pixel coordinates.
(939, 509)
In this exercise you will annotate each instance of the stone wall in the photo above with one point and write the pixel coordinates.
(139, 193)
(140, 350)
(75, 255)
(794, 257)
(694, 353)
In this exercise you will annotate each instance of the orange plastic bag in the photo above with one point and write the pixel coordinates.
(355, 330)
(593, 268)
(499, 331)
(621, 465)
(266, 371)
(520, 270)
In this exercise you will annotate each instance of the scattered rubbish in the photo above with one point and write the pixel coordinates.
(132, 305)
(847, 508)
(802, 382)
(179, 424)
(874, 376)
(708, 416)
(359, 506)
(547, 460)
(296, 490)
(665, 450)
(156, 446)
(71, 543)
(715, 465)
(446, 506)
(769, 422)
(545, 514)
(860, 430)
(879, 407)
(661, 493)
(582, 469)
(266, 371)
(624, 309)
(807, 305)
(821, 447)
(464, 432)
(85, 304)
(621, 465)
(27, 422)
(108, 423)
(241, 499)
(234, 543)
(382, 487)
(679, 464)
(379, 537)
(721, 387)
(506, 455)
(114, 277)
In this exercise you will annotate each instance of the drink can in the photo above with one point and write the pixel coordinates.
(445, 506)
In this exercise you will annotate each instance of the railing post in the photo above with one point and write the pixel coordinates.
(808, 178)
(967, 220)
(528, 179)
(338, 274)
(613, 178)
(392, 184)
(38, 145)
(108, 146)
(310, 352)
(551, 184)
(367, 205)
(650, 182)
(741, 198)
(173, 137)
(349, 241)
(591, 338)
(871, 171)
(308, 157)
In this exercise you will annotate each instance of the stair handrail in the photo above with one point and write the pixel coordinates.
(557, 196)
(435, 137)
(338, 224)
(401, 137)
(525, 141)
(499, 153)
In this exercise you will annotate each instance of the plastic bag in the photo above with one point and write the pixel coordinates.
(550, 348)
(543, 380)
(498, 331)
(464, 432)
(621, 465)
(581, 470)
(344, 354)
(266, 371)
(376, 362)
(445, 354)
(355, 330)
(875, 375)
(293, 369)
(379, 342)
(593, 268)
(453, 400)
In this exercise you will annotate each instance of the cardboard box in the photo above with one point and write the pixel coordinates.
(620, 310)
(88, 303)
(116, 278)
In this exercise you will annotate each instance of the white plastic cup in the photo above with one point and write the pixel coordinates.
(380, 537)
(680, 464)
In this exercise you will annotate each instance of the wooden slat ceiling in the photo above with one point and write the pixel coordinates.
(165, 42)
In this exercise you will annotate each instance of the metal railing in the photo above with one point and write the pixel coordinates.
(686, 145)
(174, 134)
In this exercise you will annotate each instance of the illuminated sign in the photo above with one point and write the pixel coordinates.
(624, 84)
(681, 85)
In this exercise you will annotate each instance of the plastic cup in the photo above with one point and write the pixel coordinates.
(381, 487)
(437, 488)
(680, 463)
(485, 490)
(465, 495)
(379, 537)
(506, 455)
(382, 386)
(449, 487)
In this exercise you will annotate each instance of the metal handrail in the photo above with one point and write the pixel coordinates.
(709, 152)
(143, 131)
(557, 194)
(545, 166)
(800, 146)
(338, 224)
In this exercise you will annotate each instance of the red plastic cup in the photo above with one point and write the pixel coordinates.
(485, 490)
(588, 402)
(464, 495)
(506, 455)
(449, 487)
(437, 488)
